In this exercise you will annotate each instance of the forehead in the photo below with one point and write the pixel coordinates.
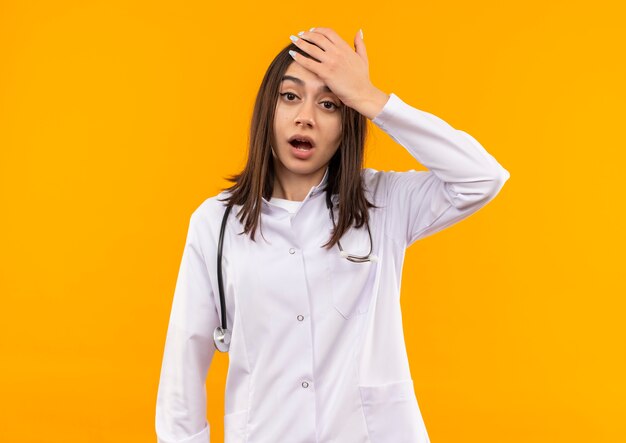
(310, 79)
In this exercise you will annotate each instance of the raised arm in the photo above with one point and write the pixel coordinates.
(462, 176)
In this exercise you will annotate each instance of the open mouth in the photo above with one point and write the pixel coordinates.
(301, 145)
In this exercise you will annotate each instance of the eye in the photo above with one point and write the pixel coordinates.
(332, 107)
(289, 94)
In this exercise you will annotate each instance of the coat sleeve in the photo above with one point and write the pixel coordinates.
(189, 349)
(462, 176)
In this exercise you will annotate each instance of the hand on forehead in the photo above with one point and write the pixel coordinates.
(344, 70)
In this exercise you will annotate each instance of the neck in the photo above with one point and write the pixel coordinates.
(295, 187)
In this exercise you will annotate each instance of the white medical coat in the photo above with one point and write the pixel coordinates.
(317, 351)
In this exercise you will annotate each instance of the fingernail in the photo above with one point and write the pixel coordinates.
(310, 30)
(300, 33)
(294, 38)
(361, 31)
(292, 54)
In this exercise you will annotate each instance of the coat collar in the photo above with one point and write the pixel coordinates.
(320, 186)
(314, 191)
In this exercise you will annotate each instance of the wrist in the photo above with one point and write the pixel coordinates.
(372, 102)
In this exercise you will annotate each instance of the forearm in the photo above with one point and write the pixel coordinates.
(451, 154)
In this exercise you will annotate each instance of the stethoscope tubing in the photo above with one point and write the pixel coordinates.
(220, 283)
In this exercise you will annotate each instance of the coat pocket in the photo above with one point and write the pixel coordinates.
(235, 426)
(352, 284)
(392, 413)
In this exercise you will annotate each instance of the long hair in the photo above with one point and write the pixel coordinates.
(256, 181)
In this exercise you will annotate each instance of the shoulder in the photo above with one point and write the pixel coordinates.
(206, 218)
(211, 207)
(385, 185)
(375, 182)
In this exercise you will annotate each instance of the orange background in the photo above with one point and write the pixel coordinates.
(118, 118)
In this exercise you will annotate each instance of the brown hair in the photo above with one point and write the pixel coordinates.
(257, 179)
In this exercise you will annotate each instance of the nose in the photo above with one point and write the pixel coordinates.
(305, 116)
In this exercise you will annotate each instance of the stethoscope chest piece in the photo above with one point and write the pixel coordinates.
(221, 338)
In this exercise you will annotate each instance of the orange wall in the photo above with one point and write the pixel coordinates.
(118, 118)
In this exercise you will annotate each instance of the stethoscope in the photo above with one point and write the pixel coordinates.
(222, 335)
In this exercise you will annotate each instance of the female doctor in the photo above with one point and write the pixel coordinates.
(311, 307)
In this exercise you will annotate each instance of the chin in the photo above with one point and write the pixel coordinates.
(296, 166)
(309, 168)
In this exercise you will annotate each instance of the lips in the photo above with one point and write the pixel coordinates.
(300, 140)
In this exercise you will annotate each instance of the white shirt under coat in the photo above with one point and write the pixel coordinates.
(317, 351)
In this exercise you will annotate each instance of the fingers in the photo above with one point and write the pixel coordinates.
(307, 63)
(324, 44)
(333, 37)
(359, 46)
(325, 40)
(319, 39)
(310, 48)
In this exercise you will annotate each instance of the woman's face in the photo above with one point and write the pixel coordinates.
(305, 108)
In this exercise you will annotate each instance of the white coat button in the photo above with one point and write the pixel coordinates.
(305, 384)
(300, 317)
(292, 251)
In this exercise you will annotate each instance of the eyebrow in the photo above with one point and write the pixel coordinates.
(323, 88)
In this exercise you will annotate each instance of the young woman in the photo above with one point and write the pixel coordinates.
(311, 315)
